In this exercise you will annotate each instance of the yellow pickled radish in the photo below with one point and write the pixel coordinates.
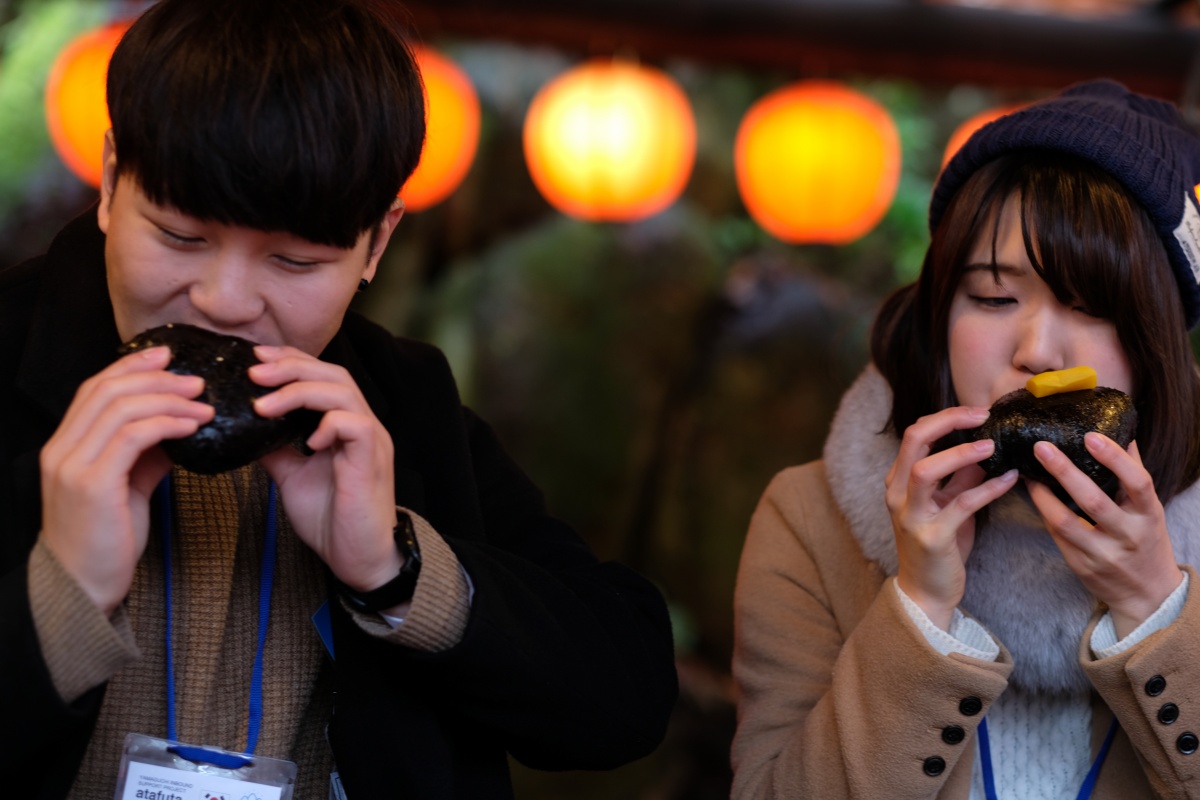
(1061, 380)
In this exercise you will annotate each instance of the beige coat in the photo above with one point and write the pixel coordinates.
(842, 697)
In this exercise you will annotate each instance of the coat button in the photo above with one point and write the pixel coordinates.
(1168, 713)
(1156, 685)
(970, 706)
(936, 765)
(953, 734)
(1187, 743)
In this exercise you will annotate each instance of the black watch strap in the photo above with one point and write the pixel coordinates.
(400, 588)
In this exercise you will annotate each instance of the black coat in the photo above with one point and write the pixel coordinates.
(566, 662)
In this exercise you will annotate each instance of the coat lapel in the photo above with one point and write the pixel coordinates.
(74, 334)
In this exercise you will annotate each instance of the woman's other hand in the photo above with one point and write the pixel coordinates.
(932, 499)
(1126, 559)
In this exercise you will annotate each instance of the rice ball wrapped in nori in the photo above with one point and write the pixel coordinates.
(1018, 420)
(236, 435)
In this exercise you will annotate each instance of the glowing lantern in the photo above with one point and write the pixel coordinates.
(76, 111)
(968, 127)
(610, 141)
(451, 131)
(817, 162)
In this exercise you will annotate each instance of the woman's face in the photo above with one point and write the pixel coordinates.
(267, 286)
(1004, 330)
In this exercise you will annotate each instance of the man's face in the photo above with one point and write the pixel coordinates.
(270, 287)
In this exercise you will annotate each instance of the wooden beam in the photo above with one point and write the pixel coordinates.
(937, 44)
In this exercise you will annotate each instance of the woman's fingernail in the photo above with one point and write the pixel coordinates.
(1094, 441)
(980, 413)
(156, 352)
(985, 446)
(1044, 451)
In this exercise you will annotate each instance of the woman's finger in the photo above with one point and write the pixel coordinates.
(917, 443)
(1127, 466)
(1090, 498)
(963, 505)
(919, 438)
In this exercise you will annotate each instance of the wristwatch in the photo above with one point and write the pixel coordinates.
(400, 588)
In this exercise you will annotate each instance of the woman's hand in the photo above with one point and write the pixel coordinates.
(1125, 559)
(934, 518)
(340, 500)
(102, 464)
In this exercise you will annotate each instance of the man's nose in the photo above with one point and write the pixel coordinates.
(226, 293)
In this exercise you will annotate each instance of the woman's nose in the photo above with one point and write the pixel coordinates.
(1040, 344)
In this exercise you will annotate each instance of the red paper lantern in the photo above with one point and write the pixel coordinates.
(817, 162)
(451, 131)
(970, 125)
(76, 110)
(610, 141)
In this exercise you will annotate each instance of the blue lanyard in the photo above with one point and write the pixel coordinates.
(1089, 783)
(264, 610)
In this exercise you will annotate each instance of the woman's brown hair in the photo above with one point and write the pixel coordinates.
(1092, 244)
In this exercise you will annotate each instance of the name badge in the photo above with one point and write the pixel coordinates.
(160, 769)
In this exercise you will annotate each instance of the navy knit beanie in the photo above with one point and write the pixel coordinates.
(1142, 142)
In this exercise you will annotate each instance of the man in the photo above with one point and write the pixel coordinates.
(250, 187)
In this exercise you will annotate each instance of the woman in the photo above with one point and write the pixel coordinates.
(892, 640)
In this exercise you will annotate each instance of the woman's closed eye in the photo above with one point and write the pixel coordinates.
(992, 301)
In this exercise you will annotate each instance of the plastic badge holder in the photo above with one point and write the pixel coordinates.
(160, 769)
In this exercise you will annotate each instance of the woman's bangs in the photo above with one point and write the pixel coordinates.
(1074, 227)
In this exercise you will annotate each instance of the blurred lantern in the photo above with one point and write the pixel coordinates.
(972, 124)
(817, 162)
(76, 111)
(610, 141)
(451, 131)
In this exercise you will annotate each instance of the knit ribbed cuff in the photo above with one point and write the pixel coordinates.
(966, 636)
(441, 602)
(82, 647)
(1104, 642)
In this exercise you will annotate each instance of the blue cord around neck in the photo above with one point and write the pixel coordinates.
(1089, 782)
(266, 579)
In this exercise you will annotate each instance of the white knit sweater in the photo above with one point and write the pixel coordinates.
(1040, 743)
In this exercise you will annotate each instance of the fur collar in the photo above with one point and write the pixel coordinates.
(1018, 584)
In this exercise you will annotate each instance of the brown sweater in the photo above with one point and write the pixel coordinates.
(216, 558)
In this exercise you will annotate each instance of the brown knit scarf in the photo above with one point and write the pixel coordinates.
(218, 526)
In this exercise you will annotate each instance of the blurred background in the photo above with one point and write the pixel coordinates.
(650, 235)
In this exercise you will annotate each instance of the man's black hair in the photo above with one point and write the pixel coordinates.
(304, 116)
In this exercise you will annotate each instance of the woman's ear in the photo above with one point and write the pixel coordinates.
(108, 181)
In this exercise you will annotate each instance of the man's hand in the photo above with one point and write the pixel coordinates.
(101, 466)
